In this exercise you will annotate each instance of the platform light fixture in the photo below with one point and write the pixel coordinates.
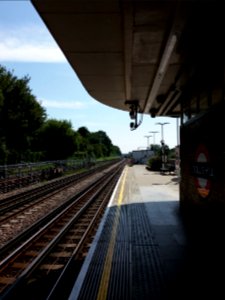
(148, 136)
(153, 132)
(135, 109)
(162, 134)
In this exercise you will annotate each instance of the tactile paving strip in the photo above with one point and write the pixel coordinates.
(136, 270)
(147, 274)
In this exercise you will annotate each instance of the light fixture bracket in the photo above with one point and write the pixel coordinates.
(134, 108)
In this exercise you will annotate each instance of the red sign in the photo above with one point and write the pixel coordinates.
(203, 171)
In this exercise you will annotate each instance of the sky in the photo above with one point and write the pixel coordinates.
(28, 49)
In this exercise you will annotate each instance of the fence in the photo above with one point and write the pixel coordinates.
(23, 174)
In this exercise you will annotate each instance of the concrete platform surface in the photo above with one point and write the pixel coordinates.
(154, 246)
(191, 248)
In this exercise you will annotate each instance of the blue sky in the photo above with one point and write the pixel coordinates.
(27, 48)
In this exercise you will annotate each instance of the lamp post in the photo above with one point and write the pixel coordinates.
(154, 132)
(147, 136)
(162, 124)
(164, 156)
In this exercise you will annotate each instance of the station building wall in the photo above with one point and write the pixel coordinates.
(202, 161)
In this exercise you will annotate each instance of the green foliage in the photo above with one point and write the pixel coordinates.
(156, 148)
(97, 144)
(27, 135)
(115, 151)
(20, 117)
(56, 139)
(83, 131)
(154, 163)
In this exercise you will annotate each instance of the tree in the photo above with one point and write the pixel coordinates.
(101, 143)
(115, 151)
(83, 131)
(97, 144)
(20, 117)
(57, 139)
(27, 135)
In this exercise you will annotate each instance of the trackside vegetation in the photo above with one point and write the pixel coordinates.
(27, 135)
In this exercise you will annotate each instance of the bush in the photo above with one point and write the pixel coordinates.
(154, 163)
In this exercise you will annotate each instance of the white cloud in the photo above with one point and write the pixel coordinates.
(29, 44)
(61, 104)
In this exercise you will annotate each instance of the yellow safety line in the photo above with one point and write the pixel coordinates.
(103, 287)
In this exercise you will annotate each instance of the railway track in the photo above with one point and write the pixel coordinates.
(15, 201)
(39, 264)
(34, 203)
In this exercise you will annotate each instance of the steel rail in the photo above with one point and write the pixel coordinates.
(46, 250)
(34, 227)
(26, 200)
(57, 289)
(10, 203)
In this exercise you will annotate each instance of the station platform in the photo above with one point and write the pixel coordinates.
(144, 249)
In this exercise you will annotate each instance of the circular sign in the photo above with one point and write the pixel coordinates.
(202, 181)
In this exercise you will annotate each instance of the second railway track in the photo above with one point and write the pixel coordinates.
(38, 265)
(19, 210)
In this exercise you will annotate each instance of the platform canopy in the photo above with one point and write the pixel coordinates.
(141, 53)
